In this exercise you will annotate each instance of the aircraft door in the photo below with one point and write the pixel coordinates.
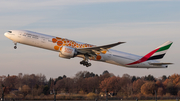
(43, 40)
(19, 35)
(109, 55)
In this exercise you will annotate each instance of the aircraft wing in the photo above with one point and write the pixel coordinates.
(97, 49)
(159, 64)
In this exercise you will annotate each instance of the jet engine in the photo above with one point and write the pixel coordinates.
(67, 52)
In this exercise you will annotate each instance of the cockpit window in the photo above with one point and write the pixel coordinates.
(10, 31)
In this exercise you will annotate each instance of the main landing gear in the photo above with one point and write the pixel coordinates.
(85, 61)
(15, 45)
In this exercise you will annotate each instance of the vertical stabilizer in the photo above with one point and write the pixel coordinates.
(161, 51)
(158, 53)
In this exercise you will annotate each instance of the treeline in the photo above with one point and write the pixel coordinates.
(86, 85)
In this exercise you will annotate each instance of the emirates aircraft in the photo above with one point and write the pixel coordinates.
(70, 49)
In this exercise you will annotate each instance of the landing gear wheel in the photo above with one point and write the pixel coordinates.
(82, 62)
(89, 64)
(85, 63)
(15, 47)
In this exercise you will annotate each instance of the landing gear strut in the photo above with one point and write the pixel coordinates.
(85, 61)
(15, 45)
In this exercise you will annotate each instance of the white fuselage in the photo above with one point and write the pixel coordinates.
(46, 42)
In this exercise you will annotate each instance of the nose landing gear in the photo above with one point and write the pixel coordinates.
(15, 45)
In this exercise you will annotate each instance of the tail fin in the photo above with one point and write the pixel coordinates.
(160, 51)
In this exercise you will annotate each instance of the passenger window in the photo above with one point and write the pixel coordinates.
(24, 34)
(29, 36)
(35, 37)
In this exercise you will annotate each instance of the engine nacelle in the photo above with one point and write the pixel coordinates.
(67, 52)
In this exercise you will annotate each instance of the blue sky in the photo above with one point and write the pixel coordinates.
(142, 24)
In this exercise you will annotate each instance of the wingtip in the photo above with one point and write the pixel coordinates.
(121, 42)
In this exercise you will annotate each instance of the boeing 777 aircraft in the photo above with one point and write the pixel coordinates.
(70, 49)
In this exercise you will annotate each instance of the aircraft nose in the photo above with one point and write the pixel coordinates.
(5, 34)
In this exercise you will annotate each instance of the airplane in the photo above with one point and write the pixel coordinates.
(70, 49)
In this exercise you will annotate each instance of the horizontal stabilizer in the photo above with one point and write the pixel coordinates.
(159, 64)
